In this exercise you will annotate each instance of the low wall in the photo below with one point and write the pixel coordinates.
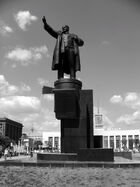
(57, 156)
(95, 154)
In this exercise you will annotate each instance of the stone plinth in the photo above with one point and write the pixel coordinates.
(75, 110)
(97, 155)
(68, 84)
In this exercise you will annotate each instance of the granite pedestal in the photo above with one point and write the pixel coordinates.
(74, 108)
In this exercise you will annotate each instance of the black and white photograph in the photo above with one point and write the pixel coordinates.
(69, 93)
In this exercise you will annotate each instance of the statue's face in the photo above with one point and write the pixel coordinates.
(65, 29)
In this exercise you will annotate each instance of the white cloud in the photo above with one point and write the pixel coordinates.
(49, 123)
(42, 81)
(107, 122)
(24, 88)
(43, 121)
(20, 55)
(27, 56)
(24, 18)
(7, 89)
(18, 104)
(10, 90)
(116, 99)
(37, 51)
(42, 49)
(105, 43)
(5, 29)
(130, 100)
(131, 97)
(29, 110)
(8, 29)
(49, 97)
(129, 119)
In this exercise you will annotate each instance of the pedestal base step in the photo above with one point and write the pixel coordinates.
(96, 154)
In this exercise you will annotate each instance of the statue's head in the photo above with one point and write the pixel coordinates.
(65, 28)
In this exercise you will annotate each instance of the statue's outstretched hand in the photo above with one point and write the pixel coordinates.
(44, 20)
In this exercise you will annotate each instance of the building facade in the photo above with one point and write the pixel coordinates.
(11, 129)
(115, 138)
(119, 139)
(51, 140)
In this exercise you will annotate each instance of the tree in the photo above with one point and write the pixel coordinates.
(37, 144)
(5, 141)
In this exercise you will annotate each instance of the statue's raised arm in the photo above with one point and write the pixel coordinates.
(49, 29)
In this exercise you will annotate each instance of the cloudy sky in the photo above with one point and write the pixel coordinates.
(110, 59)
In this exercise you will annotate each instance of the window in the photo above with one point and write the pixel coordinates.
(112, 142)
(1, 128)
(50, 142)
(105, 141)
(56, 142)
(136, 140)
(130, 142)
(124, 142)
(118, 141)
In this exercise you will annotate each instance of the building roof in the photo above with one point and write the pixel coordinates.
(106, 132)
(4, 119)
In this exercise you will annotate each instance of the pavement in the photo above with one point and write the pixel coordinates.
(14, 158)
(26, 160)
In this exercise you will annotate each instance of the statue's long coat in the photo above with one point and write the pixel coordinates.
(59, 49)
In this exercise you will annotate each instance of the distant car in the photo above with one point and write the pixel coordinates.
(117, 150)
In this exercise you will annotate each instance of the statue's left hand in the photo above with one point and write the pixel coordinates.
(75, 37)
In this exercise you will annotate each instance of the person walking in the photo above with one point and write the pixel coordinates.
(5, 153)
